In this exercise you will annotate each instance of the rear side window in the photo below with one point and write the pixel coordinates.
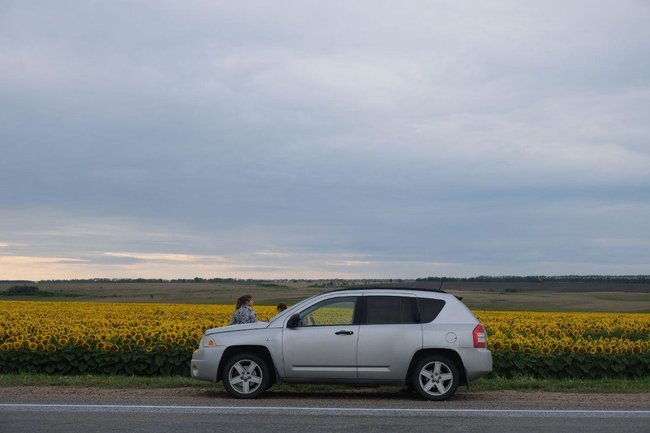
(381, 310)
(429, 308)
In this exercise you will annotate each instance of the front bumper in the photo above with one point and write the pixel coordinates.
(205, 363)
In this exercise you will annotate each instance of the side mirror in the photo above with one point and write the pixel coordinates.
(293, 321)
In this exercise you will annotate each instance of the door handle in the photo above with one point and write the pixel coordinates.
(344, 332)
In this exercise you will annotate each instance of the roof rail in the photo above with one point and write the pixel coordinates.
(460, 298)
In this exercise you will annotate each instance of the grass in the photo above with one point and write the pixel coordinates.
(485, 384)
(563, 385)
(96, 381)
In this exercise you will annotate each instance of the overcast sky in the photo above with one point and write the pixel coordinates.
(319, 139)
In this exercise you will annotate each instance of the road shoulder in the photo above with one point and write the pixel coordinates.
(355, 398)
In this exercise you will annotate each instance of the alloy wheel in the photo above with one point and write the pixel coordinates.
(436, 378)
(245, 376)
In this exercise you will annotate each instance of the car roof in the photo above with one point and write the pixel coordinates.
(393, 290)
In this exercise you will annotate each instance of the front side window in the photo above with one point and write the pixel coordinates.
(336, 311)
(382, 310)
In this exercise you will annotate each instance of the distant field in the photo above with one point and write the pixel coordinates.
(543, 296)
(557, 301)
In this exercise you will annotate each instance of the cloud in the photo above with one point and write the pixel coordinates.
(225, 138)
(273, 254)
(164, 257)
(348, 263)
(35, 260)
(12, 245)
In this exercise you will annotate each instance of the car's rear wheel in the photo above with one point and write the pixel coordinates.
(435, 377)
(246, 376)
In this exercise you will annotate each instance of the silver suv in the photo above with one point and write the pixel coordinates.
(428, 341)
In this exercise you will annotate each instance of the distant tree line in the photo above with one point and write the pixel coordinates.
(205, 280)
(138, 280)
(345, 282)
(544, 278)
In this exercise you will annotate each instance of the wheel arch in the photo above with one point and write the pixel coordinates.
(261, 351)
(449, 353)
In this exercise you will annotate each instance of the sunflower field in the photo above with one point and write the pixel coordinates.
(568, 345)
(158, 339)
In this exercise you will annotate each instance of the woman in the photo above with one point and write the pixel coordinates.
(244, 312)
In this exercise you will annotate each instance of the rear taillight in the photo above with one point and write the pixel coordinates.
(480, 337)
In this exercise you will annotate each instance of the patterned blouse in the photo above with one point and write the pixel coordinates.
(245, 314)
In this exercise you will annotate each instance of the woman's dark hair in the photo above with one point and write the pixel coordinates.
(242, 300)
(281, 306)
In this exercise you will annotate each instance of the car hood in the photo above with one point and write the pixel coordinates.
(242, 327)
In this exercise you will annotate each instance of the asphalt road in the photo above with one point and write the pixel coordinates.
(56, 410)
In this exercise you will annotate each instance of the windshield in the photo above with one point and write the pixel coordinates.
(291, 310)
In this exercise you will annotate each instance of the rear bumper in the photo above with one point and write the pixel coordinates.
(205, 362)
(477, 362)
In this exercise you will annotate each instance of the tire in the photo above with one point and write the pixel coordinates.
(435, 377)
(246, 375)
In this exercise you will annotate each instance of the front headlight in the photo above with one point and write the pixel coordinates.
(208, 341)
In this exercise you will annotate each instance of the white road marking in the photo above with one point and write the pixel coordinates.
(333, 411)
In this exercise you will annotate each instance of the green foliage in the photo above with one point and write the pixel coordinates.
(175, 362)
(571, 365)
(172, 362)
(25, 291)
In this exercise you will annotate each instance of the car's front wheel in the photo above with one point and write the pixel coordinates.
(435, 377)
(246, 375)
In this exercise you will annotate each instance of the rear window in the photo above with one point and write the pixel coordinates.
(429, 309)
(382, 310)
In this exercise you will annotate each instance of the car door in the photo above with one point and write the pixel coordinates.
(389, 335)
(324, 344)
